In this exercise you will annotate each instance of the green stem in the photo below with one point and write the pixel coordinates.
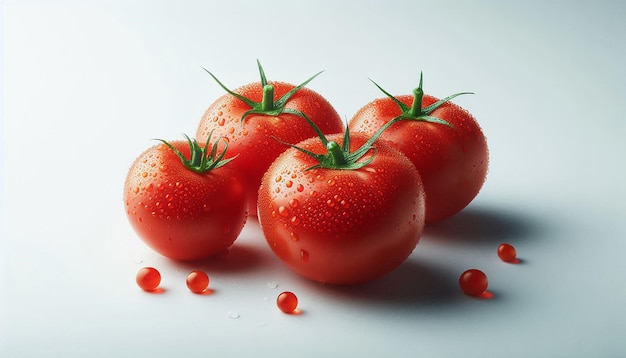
(336, 153)
(267, 103)
(416, 106)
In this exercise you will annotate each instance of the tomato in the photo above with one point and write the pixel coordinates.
(185, 209)
(250, 116)
(443, 140)
(343, 219)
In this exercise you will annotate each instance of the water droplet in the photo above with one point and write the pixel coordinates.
(300, 187)
(233, 315)
(295, 220)
(330, 182)
(138, 261)
(221, 121)
(231, 130)
(304, 256)
(136, 190)
(283, 211)
(294, 203)
(163, 167)
(206, 208)
(294, 236)
(272, 284)
(289, 183)
(278, 178)
(144, 174)
(220, 113)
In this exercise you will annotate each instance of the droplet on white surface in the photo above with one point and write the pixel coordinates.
(272, 284)
(266, 299)
(233, 315)
(138, 261)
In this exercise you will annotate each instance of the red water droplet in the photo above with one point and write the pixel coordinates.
(304, 255)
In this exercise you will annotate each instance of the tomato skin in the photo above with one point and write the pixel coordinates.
(179, 213)
(253, 139)
(342, 226)
(452, 162)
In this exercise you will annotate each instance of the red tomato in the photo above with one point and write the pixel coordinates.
(342, 226)
(452, 160)
(181, 213)
(275, 115)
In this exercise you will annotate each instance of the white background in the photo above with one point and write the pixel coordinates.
(86, 84)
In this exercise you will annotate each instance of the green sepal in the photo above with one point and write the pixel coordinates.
(415, 112)
(267, 106)
(201, 160)
(339, 157)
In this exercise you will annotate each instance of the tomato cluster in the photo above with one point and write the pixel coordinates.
(337, 204)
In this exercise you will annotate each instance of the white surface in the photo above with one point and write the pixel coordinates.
(87, 84)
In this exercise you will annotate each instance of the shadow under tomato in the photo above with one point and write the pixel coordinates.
(412, 284)
(237, 258)
(484, 224)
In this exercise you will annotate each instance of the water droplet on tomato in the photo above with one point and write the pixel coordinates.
(220, 113)
(300, 187)
(206, 208)
(294, 237)
(283, 211)
(278, 178)
(304, 255)
(295, 220)
(289, 183)
(144, 174)
(221, 121)
(313, 193)
(136, 190)
(231, 130)
(294, 203)
(330, 182)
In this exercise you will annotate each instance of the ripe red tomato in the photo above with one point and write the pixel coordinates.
(452, 159)
(342, 226)
(179, 212)
(270, 109)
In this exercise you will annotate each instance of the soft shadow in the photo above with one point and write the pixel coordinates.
(411, 284)
(237, 258)
(484, 224)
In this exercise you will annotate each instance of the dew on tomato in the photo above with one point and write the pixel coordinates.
(507, 253)
(473, 282)
(198, 281)
(148, 278)
(287, 302)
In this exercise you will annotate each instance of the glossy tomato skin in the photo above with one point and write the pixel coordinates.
(253, 139)
(452, 162)
(179, 213)
(342, 226)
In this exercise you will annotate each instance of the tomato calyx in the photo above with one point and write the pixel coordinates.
(416, 112)
(201, 159)
(340, 157)
(267, 106)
